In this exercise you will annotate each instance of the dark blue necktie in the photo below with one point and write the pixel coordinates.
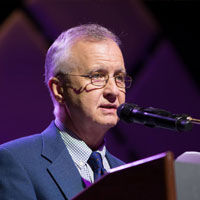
(95, 162)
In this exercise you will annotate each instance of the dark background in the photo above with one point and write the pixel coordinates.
(161, 49)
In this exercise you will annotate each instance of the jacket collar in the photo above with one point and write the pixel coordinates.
(62, 167)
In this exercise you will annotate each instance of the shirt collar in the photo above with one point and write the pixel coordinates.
(77, 148)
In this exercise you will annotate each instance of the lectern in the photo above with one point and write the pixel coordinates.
(152, 178)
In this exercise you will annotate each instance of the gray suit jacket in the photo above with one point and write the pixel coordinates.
(40, 167)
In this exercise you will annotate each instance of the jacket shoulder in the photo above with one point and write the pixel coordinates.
(23, 147)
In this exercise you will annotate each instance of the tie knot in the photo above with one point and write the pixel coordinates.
(95, 160)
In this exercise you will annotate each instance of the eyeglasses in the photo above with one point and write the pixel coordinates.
(100, 79)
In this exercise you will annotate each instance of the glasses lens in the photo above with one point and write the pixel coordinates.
(123, 81)
(98, 78)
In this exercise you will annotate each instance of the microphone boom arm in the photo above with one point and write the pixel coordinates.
(194, 121)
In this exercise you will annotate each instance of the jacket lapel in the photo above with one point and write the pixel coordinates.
(113, 161)
(62, 167)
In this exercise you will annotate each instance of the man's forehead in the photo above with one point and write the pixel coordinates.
(101, 55)
(85, 43)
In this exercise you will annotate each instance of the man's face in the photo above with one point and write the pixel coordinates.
(87, 104)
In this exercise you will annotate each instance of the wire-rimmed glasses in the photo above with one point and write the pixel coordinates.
(100, 79)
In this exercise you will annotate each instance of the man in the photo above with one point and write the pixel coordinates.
(86, 77)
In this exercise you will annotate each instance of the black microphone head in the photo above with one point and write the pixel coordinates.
(124, 111)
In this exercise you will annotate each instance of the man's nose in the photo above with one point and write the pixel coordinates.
(111, 90)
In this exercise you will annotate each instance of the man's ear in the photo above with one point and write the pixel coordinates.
(56, 89)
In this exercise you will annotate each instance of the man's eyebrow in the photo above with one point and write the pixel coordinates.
(104, 69)
(120, 71)
(97, 70)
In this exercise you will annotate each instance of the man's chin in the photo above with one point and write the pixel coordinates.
(109, 123)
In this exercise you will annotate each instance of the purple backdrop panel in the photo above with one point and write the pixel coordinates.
(24, 103)
(129, 20)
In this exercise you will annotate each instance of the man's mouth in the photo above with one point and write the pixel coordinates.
(109, 106)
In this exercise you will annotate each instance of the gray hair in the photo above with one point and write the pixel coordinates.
(58, 54)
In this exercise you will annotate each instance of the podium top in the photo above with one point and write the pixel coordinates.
(149, 178)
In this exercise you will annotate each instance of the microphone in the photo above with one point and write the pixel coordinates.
(154, 117)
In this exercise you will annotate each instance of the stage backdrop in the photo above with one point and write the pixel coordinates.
(160, 58)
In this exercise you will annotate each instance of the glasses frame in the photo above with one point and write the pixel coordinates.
(90, 76)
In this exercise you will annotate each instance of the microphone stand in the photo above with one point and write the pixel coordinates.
(194, 121)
